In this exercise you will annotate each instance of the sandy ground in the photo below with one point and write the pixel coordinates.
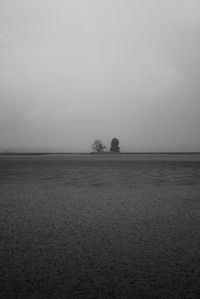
(100, 227)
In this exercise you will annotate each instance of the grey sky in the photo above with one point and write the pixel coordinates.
(72, 71)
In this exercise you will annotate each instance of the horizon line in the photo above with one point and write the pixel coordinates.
(10, 152)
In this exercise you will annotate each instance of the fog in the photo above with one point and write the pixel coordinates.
(72, 71)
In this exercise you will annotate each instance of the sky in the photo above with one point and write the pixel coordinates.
(72, 71)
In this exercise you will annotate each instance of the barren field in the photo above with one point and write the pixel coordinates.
(100, 226)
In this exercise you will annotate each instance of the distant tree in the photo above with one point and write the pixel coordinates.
(115, 145)
(98, 146)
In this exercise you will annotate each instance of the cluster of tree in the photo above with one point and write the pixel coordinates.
(99, 147)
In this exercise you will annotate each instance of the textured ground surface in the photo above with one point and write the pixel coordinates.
(90, 226)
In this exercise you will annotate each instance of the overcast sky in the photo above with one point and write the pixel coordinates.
(72, 71)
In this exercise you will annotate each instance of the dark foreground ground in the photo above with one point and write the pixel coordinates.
(90, 226)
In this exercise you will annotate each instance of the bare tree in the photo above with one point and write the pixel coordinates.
(98, 146)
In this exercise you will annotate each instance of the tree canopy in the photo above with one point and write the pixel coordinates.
(115, 145)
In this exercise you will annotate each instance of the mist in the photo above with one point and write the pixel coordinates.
(73, 71)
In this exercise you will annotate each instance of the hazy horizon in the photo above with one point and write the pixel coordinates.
(73, 71)
(58, 150)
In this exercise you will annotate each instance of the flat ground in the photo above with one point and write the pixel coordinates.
(92, 226)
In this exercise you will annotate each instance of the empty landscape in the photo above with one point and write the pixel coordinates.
(100, 226)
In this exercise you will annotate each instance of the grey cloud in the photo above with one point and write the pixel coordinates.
(98, 70)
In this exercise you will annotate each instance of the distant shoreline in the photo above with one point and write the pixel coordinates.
(106, 153)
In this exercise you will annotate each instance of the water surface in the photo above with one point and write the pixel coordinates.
(100, 226)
